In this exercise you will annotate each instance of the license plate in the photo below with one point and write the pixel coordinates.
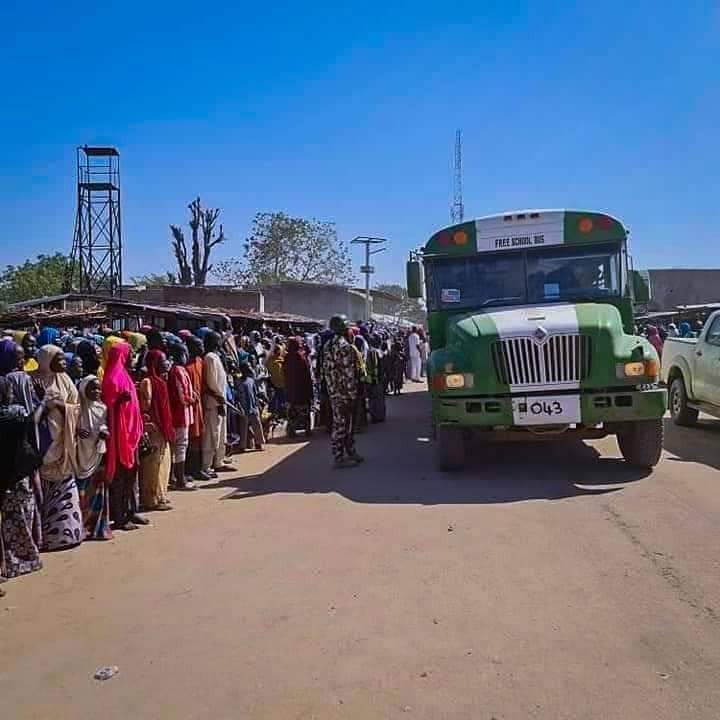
(546, 410)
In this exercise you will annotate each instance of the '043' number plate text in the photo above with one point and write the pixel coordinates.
(546, 410)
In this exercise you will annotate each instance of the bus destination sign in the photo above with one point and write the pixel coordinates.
(495, 234)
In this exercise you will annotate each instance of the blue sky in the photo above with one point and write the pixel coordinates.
(348, 114)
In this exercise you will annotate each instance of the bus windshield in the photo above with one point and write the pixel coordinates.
(565, 274)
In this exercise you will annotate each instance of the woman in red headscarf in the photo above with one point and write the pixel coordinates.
(194, 369)
(126, 428)
(653, 335)
(156, 463)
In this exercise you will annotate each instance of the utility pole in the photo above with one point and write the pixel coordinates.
(367, 269)
(457, 211)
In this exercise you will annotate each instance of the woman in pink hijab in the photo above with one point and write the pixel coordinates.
(126, 427)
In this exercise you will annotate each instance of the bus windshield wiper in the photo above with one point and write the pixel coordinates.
(580, 297)
(492, 301)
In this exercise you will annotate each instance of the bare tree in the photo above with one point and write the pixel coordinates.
(205, 235)
(180, 250)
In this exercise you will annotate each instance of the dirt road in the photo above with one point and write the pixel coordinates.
(541, 583)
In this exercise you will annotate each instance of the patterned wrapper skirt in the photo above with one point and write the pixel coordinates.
(155, 473)
(20, 554)
(61, 515)
(95, 506)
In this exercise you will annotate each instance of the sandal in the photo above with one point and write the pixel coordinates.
(188, 486)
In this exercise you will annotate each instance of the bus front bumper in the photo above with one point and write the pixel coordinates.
(596, 407)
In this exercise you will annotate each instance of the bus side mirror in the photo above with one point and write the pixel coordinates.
(414, 279)
(642, 288)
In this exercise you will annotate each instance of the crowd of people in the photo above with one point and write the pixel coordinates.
(658, 332)
(98, 426)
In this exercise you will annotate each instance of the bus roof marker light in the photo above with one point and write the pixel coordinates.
(604, 222)
(585, 225)
(460, 237)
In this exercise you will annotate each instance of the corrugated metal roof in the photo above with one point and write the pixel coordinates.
(196, 312)
(117, 305)
(49, 299)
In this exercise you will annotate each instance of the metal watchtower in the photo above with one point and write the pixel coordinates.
(96, 258)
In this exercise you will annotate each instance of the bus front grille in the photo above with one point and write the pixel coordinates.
(561, 360)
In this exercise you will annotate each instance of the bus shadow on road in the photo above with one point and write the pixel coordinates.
(402, 472)
(698, 444)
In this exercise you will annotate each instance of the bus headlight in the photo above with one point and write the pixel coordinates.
(644, 369)
(634, 369)
(457, 381)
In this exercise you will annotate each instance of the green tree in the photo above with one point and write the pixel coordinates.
(194, 262)
(43, 276)
(406, 308)
(281, 247)
(155, 279)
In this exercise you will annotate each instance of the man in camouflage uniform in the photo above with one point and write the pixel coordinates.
(341, 374)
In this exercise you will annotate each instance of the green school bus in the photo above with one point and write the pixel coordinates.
(530, 316)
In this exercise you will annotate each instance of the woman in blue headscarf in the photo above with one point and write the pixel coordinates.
(684, 329)
(74, 367)
(48, 336)
(8, 356)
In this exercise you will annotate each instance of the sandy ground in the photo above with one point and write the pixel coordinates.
(544, 582)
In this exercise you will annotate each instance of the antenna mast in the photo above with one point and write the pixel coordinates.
(457, 211)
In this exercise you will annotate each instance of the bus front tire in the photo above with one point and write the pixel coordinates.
(450, 448)
(641, 443)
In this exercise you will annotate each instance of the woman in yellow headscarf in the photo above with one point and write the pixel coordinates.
(137, 340)
(29, 345)
(109, 341)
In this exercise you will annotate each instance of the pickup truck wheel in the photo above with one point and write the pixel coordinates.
(641, 442)
(450, 448)
(677, 400)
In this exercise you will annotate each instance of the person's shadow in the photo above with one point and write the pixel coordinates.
(699, 443)
(399, 468)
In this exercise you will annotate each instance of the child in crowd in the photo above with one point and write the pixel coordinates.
(93, 433)
(248, 399)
